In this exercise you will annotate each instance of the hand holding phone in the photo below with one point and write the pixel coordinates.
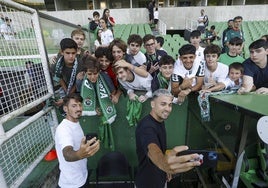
(206, 158)
(89, 136)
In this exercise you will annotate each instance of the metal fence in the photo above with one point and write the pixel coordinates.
(25, 86)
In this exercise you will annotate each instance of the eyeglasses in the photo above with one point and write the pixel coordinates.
(147, 45)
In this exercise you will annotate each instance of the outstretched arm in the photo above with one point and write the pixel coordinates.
(170, 162)
(138, 70)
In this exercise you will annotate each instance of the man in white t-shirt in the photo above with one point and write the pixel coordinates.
(202, 21)
(191, 72)
(156, 18)
(72, 147)
(131, 82)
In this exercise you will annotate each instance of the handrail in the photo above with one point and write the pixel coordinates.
(190, 24)
(162, 27)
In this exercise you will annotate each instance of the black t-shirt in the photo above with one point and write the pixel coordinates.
(155, 85)
(149, 131)
(153, 59)
(67, 72)
(259, 75)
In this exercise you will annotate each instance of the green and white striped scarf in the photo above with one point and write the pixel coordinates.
(58, 72)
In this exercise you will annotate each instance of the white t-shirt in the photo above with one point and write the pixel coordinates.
(96, 43)
(196, 70)
(219, 75)
(229, 84)
(139, 58)
(27, 81)
(139, 83)
(156, 14)
(106, 37)
(200, 54)
(7, 31)
(201, 23)
(72, 174)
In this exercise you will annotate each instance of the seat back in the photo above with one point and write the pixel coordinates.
(113, 165)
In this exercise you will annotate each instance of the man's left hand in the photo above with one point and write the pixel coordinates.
(178, 164)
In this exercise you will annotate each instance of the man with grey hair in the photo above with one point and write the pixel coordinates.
(155, 165)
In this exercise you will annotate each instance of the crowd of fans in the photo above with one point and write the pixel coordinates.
(197, 69)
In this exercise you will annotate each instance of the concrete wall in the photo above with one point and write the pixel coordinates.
(174, 17)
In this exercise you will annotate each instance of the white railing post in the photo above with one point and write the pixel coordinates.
(2, 179)
(162, 27)
(2, 131)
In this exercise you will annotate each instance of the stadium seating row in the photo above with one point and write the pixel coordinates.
(124, 30)
(253, 30)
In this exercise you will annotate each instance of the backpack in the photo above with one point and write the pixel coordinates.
(207, 21)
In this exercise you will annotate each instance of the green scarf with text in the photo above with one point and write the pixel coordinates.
(203, 101)
(101, 94)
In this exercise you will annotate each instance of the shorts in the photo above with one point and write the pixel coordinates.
(155, 21)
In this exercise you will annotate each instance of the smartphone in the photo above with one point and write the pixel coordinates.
(208, 159)
(89, 136)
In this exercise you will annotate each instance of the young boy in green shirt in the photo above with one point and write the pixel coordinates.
(232, 55)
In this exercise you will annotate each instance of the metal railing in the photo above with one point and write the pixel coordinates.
(162, 27)
(25, 84)
(190, 24)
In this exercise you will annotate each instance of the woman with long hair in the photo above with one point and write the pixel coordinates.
(109, 19)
